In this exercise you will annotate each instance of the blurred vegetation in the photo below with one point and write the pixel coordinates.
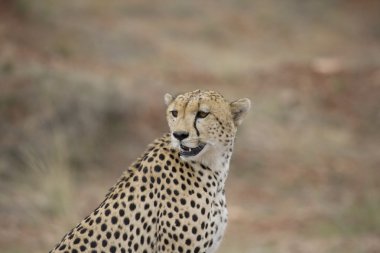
(81, 95)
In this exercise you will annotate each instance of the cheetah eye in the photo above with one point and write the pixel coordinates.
(202, 114)
(174, 113)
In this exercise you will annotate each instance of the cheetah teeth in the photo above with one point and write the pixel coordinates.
(186, 151)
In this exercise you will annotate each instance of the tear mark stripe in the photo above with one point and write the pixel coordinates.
(195, 118)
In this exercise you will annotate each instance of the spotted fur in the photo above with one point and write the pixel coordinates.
(167, 202)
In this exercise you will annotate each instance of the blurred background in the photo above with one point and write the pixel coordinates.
(81, 95)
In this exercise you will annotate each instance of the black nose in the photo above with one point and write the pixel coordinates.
(180, 135)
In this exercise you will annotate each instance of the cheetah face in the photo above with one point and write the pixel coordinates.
(203, 123)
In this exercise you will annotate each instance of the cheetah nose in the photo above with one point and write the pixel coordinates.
(180, 135)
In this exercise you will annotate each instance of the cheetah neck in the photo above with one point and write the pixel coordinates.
(219, 162)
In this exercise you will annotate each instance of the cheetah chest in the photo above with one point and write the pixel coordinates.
(218, 221)
(194, 211)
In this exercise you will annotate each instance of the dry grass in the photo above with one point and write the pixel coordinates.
(81, 95)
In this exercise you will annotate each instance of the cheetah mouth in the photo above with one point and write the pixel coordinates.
(186, 151)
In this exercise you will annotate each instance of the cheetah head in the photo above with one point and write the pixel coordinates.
(203, 124)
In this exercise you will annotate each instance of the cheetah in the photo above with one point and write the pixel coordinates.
(172, 198)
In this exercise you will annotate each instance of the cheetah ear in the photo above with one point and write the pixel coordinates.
(168, 98)
(239, 109)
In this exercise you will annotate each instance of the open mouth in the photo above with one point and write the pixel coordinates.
(186, 151)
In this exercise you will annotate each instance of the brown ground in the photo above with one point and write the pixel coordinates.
(81, 94)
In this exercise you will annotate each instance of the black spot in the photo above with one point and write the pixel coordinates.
(93, 244)
(162, 157)
(157, 168)
(112, 249)
(114, 219)
(142, 239)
